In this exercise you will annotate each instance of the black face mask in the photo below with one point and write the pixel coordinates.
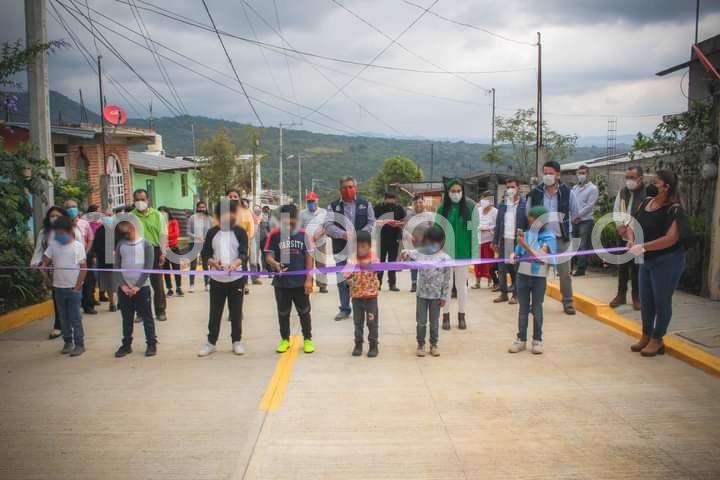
(652, 190)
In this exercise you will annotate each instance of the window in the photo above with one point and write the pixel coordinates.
(59, 157)
(184, 184)
(116, 183)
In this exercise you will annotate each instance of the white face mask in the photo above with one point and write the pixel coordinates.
(455, 197)
(141, 205)
(631, 184)
(484, 203)
(582, 178)
(511, 192)
(549, 180)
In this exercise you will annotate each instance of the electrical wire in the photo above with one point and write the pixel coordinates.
(231, 64)
(262, 50)
(474, 27)
(287, 62)
(282, 50)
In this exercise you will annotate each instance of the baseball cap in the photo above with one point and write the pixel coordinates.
(311, 197)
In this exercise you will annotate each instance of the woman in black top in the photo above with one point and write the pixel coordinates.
(662, 222)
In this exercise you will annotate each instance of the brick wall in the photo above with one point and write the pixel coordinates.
(96, 167)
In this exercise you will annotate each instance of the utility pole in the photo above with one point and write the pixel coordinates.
(280, 166)
(697, 19)
(492, 140)
(539, 138)
(39, 98)
(299, 179)
(103, 165)
(432, 161)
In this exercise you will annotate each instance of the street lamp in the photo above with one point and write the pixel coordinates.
(280, 168)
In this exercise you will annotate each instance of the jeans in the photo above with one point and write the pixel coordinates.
(156, 281)
(659, 278)
(628, 271)
(365, 310)
(140, 304)
(563, 271)
(413, 277)
(583, 231)
(343, 290)
(506, 268)
(388, 253)
(427, 309)
(285, 298)
(530, 294)
(68, 303)
(233, 293)
(168, 265)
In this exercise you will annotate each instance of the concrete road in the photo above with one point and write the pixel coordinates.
(586, 409)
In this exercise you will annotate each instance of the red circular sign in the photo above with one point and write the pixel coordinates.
(114, 115)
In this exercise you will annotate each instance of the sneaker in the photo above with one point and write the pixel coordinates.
(308, 346)
(357, 351)
(123, 350)
(161, 317)
(67, 348)
(283, 346)
(413, 289)
(54, 334)
(503, 297)
(238, 348)
(170, 293)
(323, 289)
(618, 300)
(476, 286)
(342, 316)
(207, 288)
(191, 289)
(77, 351)
(207, 349)
(434, 351)
(537, 347)
(113, 308)
(373, 350)
(394, 288)
(495, 288)
(513, 300)
(517, 346)
(90, 311)
(179, 292)
(569, 310)
(151, 350)
(256, 281)
(138, 319)
(420, 352)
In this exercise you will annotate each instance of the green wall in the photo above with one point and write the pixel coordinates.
(166, 189)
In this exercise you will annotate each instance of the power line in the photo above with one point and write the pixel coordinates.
(280, 49)
(287, 62)
(231, 64)
(262, 50)
(469, 25)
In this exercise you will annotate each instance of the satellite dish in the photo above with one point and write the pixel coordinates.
(114, 115)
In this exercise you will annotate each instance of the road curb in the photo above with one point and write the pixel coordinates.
(673, 345)
(24, 315)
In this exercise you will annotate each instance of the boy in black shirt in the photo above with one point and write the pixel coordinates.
(286, 250)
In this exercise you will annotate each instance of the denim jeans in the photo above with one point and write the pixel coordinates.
(413, 277)
(139, 303)
(563, 272)
(68, 303)
(530, 295)
(343, 290)
(365, 311)
(583, 231)
(506, 268)
(659, 278)
(427, 309)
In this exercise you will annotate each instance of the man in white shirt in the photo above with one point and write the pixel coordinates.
(312, 219)
(511, 216)
(584, 197)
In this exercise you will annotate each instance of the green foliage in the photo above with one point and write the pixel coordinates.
(494, 157)
(642, 143)
(605, 202)
(21, 175)
(396, 169)
(78, 188)
(14, 58)
(320, 150)
(220, 169)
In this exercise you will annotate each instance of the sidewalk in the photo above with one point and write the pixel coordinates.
(696, 320)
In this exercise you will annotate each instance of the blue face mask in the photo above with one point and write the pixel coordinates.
(107, 221)
(311, 206)
(430, 249)
(73, 212)
(63, 238)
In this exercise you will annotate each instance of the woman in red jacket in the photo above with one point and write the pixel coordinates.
(173, 227)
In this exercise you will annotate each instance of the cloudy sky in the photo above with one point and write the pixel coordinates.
(599, 59)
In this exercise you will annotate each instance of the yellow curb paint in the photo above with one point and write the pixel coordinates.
(22, 316)
(275, 391)
(674, 346)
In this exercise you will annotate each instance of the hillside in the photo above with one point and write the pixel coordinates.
(325, 157)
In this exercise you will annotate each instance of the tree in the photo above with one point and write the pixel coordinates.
(219, 168)
(520, 132)
(396, 169)
(494, 158)
(641, 143)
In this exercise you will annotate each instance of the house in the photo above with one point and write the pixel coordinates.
(170, 182)
(77, 154)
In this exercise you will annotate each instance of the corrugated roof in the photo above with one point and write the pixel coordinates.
(89, 131)
(78, 132)
(157, 162)
(617, 159)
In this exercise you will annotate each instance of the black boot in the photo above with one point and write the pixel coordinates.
(151, 350)
(357, 351)
(373, 350)
(461, 321)
(125, 349)
(446, 321)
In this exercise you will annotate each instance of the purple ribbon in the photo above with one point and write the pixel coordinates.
(372, 267)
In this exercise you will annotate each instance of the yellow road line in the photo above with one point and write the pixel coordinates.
(275, 391)
(676, 347)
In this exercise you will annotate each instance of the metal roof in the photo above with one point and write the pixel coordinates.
(89, 131)
(78, 132)
(157, 163)
(616, 160)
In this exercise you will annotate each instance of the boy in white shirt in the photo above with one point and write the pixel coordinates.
(67, 256)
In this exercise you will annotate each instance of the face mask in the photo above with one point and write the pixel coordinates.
(141, 205)
(484, 203)
(348, 193)
(202, 210)
(549, 180)
(63, 238)
(652, 190)
(363, 252)
(107, 221)
(582, 178)
(430, 249)
(53, 220)
(455, 197)
(511, 192)
(631, 184)
(73, 212)
(311, 206)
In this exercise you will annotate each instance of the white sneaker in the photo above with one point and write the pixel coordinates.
(537, 347)
(191, 289)
(206, 350)
(517, 346)
(238, 348)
